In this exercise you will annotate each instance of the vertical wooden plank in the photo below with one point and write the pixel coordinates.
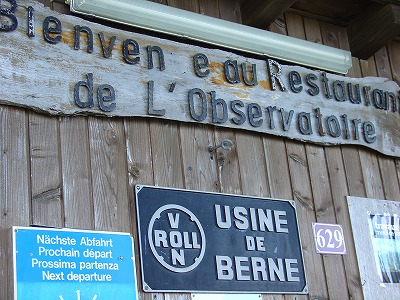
(301, 181)
(252, 165)
(167, 164)
(228, 167)
(322, 194)
(325, 213)
(387, 164)
(295, 26)
(109, 173)
(277, 173)
(337, 177)
(76, 173)
(140, 171)
(325, 207)
(369, 160)
(14, 168)
(200, 169)
(14, 187)
(200, 166)
(139, 154)
(351, 156)
(394, 49)
(278, 166)
(47, 206)
(6, 264)
(139, 157)
(337, 159)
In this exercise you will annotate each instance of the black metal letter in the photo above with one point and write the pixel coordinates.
(295, 79)
(31, 22)
(88, 31)
(89, 86)
(150, 50)
(391, 96)
(151, 110)
(339, 90)
(320, 127)
(231, 64)
(234, 105)
(325, 79)
(218, 105)
(333, 126)
(135, 51)
(253, 74)
(47, 30)
(201, 61)
(254, 111)
(286, 118)
(9, 13)
(107, 51)
(314, 88)
(304, 122)
(369, 132)
(202, 96)
(101, 98)
(275, 76)
(357, 99)
(379, 99)
(271, 110)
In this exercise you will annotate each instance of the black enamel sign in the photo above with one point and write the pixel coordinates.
(204, 242)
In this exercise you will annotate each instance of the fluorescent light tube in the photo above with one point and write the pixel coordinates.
(165, 19)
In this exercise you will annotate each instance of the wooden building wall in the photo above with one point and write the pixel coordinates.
(80, 172)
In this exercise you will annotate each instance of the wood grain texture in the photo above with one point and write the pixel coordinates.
(335, 160)
(279, 183)
(15, 190)
(47, 203)
(387, 164)
(77, 184)
(140, 171)
(327, 205)
(309, 204)
(109, 175)
(6, 264)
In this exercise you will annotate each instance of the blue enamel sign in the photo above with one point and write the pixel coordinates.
(194, 241)
(61, 264)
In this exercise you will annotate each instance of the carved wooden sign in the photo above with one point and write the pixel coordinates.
(64, 65)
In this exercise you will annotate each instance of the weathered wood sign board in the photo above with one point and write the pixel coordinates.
(63, 65)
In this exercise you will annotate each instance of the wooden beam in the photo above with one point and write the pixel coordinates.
(263, 13)
(373, 28)
(387, 1)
